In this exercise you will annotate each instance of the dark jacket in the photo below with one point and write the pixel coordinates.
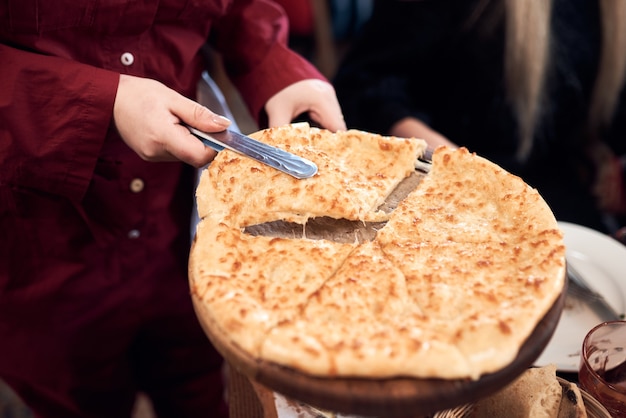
(423, 59)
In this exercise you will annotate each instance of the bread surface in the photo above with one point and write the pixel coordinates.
(450, 284)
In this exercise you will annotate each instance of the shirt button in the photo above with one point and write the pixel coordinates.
(127, 58)
(136, 185)
(134, 234)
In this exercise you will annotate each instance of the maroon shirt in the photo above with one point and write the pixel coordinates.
(63, 166)
(94, 241)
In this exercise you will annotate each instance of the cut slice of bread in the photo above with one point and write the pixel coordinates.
(572, 404)
(535, 394)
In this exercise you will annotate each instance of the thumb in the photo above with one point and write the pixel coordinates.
(198, 116)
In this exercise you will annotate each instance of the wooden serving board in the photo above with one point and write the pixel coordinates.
(391, 398)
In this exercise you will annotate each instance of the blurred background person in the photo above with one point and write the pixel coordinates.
(535, 86)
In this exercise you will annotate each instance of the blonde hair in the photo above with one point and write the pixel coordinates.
(526, 65)
(611, 68)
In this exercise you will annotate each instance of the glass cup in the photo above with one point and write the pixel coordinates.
(602, 371)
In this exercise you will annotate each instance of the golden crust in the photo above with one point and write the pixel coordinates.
(356, 173)
(451, 286)
(250, 284)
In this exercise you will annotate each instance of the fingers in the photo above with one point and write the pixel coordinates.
(316, 97)
(184, 145)
(325, 110)
(279, 116)
(147, 115)
(329, 116)
(198, 116)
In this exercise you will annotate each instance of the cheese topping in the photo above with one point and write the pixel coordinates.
(450, 287)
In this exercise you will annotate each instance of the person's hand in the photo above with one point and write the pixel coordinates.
(412, 127)
(315, 97)
(608, 186)
(147, 115)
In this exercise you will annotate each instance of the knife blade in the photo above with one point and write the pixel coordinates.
(277, 158)
(592, 298)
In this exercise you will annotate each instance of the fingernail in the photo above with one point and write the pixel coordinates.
(221, 120)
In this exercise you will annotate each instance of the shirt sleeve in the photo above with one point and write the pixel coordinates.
(54, 117)
(252, 39)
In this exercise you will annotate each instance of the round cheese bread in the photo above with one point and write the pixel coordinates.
(452, 282)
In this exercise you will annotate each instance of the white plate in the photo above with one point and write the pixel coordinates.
(601, 260)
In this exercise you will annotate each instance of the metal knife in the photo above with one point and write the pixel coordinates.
(592, 298)
(277, 158)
